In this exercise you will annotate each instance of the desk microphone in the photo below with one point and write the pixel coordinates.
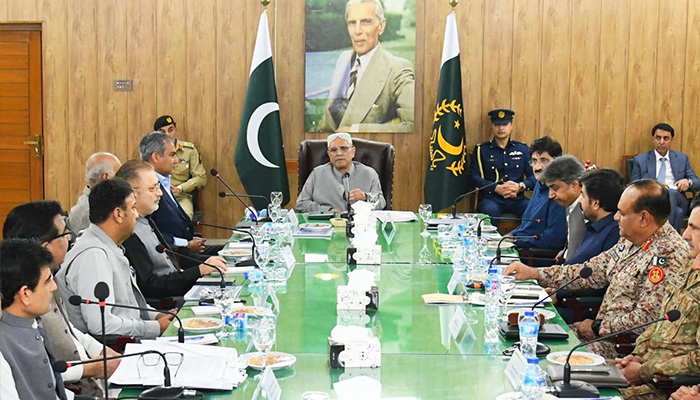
(161, 248)
(569, 388)
(102, 292)
(163, 392)
(243, 263)
(216, 175)
(250, 196)
(478, 225)
(584, 273)
(77, 300)
(498, 248)
(461, 196)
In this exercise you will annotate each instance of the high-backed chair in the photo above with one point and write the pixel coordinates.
(378, 155)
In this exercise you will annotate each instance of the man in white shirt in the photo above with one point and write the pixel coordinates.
(43, 221)
(670, 168)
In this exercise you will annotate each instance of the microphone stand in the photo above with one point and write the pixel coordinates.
(102, 292)
(498, 248)
(77, 300)
(568, 388)
(478, 225)
(584, 273)
(243, 263)
(461, 196)
(215, 174)
(163, 249)
(249, 196)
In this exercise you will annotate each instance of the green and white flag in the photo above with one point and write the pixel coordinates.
(447, 173)
(259, 154)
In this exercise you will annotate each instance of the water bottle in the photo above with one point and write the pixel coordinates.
(492, 285)
(492, 307)
(533, 383)
(529, 324)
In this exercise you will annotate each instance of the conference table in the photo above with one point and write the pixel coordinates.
(419, 357)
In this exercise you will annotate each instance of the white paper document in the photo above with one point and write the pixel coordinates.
(396, 216)
(202, 367)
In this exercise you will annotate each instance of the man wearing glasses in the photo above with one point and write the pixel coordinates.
(330, 185)
(552, 228)
(669, 167)
(43, 221)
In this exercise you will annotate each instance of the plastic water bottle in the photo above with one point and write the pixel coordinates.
(529, 324)
(492, 307)
(492, 285)
(533, 383)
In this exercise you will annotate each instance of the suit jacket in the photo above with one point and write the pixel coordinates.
(645, 167)
(383, 98)
(171, 219)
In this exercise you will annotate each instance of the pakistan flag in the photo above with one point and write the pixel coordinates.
(447, 175)
(259, 154)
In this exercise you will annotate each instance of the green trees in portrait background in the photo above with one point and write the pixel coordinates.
(325, 17)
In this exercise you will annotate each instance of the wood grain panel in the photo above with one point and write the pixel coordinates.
(15, 183)
(14, 49)
(14, 117)
(14, 103)
(171, 54)
(14, 129)
(111, 51)
(13, 62)
(14, 76)
(14, 90)
(554, 104)
(22, 10)
(498, 57)
(689, 141)
(641, 82)
(671, 63)
(612, 84)
(14, 156)
(527, 53)
(14, 169)
(15, 196)
(471, 39)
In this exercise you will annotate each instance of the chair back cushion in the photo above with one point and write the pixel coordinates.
(377, 155)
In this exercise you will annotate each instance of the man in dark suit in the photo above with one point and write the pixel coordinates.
(669, 167)
(158, 149)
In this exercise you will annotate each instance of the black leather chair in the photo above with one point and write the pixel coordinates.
(378, 155)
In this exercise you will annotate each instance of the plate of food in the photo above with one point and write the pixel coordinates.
(577, 358)
(235, 254)
(250, 310)
(200, 324)
(488, 228)
(315, 226)
(275, 360)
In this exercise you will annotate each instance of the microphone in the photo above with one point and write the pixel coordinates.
(102, 292)
(478, 225)
(242, 263)
(215, 174)
(569, 388)
(77, 300)
(163, 249)
(461, 196)
(498, 248)
(250, 196)
(584, 273)
(163, 392)
(346, 184)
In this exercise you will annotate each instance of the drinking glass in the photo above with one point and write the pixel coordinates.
(224, 299)
(506, 292)
(276, 199)
(263, 338)
(262, 255)
(258, 232)
(373, 200)
(275, 213)
(425, 211)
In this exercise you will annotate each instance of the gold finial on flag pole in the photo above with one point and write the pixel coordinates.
(265, 3)
(453, 3)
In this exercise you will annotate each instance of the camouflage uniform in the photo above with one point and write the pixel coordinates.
(188, 174)
(636, 276)
(671, 348)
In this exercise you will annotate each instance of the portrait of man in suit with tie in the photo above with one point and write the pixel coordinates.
(371, 90)
(671, 168)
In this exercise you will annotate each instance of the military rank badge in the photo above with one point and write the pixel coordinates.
(656, 275)
(660, 261)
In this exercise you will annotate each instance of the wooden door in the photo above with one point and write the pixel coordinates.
(21, 142)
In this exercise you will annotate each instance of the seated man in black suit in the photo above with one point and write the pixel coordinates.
(158, 275)
(158, 149)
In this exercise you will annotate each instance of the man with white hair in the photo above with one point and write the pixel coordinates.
(324, 189)
(98, 167)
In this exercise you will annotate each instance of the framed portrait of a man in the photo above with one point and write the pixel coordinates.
(359, 66)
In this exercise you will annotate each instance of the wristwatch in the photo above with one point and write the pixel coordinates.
(521, 187)
(595, 327)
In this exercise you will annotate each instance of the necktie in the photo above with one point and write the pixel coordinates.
(661, 177)
(353, 77)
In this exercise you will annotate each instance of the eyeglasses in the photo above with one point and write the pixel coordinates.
(543, 161)
(173, 359)
(343, 149)
(67, 232)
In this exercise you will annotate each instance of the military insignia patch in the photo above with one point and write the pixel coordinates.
(656, 275)
(660, 261)
(620, 247)
(170, 120)
(501, 114)
(615, 256)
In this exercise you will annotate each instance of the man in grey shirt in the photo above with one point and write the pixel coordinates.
(98, 257)
(98, 167)
(325, 189)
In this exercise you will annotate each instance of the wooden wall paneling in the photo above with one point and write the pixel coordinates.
(689, 142)
(142, 69)
(35, 115)
(470, 22)
(171, 59)
(671, 63)
(111, 55)
(554, 103)
(527, 57)
(82, 97)
(3, 11)
(498, 60)
(201, 88)
(612, 84)
(230, 94)
(55, 86)
(21, 10)
(585, 38)
(641, 78)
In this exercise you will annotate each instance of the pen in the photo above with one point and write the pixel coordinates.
(194, 338)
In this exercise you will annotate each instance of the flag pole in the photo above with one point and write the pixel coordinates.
(453, 3)
(265, 3)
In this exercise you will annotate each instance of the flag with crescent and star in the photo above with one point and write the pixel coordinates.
(259, 154)
(447, 173)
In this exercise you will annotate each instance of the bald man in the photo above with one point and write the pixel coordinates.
(98, 167)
